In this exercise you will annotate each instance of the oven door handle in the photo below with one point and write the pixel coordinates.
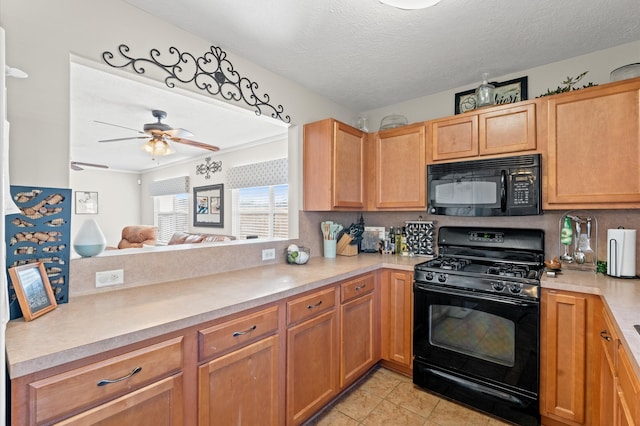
(484, 296)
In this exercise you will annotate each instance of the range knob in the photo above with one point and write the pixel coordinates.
(442, 277)
(515, 288)
(429, 276)
(497, 286)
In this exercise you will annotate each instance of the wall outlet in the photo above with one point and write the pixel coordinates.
(269, 254)
(107, 278)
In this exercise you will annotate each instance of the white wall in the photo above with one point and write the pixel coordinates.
(42, 34)
(598, 64)
(118, 201)
(246, 155)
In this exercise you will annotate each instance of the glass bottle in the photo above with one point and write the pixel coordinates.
(392, 240)
(398, 240)
(485, 92)
(566, 236)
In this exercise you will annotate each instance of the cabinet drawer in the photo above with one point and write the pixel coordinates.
(65, 393)
(609, 337)
(215, 340)
(308, 306)
(356, 287)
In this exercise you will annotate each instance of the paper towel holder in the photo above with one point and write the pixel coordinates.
(588, 246)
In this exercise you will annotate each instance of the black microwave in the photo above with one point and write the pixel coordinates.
(508, 186)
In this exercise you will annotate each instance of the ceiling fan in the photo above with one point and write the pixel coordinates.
(78, 165)
(160, 133)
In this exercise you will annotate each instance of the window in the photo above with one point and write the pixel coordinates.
(261, 211)
(171, 215)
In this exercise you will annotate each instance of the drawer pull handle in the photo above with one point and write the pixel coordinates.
(605, 335)
(360, 287)
(314, 306)
(107, 381)
(240, 333)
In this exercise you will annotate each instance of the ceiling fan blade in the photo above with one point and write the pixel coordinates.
(178, 133)
(195, 144)
(76, 165)
(117, 125)
(124, 139)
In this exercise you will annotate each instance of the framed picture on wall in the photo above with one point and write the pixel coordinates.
(86, 202)
(33, 289)
(208, 206)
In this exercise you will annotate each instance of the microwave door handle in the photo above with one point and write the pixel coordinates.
(503, 191)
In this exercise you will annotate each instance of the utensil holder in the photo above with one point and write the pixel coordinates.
(329, 248)
(591, 263)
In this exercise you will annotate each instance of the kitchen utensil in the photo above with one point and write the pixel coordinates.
(578, 255)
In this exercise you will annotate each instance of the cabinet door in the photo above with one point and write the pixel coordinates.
(400, 162)
(348, 167)
(454, 137)
(397, 319)
(160, 403)
(628, 391)
(563, 348)
(593, 148)
(510, 129)
(357, 338)
(333, 166)
(607, 344)
(241, 387)
(312, 366)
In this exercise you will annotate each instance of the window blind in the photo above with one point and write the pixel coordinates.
(266, 173)
(179, 185)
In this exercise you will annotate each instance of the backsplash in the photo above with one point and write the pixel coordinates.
(311, 236)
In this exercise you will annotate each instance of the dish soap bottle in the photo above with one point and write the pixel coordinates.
(566, 236)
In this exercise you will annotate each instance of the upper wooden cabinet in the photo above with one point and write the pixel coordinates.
(333, 166)
(399, 162)
(592, 139)
(497, 130)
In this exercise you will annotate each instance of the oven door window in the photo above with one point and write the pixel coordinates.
(472, 332)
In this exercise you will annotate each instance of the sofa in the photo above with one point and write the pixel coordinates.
(196, 238)
(136, 236)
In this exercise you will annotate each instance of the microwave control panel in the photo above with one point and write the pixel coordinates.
(522, 188)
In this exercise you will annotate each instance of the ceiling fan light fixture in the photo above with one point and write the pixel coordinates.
(157, 147)
(410, 4)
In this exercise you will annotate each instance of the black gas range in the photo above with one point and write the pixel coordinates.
(477, 319)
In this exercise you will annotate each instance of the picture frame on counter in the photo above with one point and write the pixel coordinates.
(208, 206)
(33, 289)
(506, 92)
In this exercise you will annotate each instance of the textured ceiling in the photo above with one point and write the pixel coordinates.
(359, 53)
(365, 55)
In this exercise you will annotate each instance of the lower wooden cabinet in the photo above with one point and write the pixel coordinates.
(161, 403)
(619, 386)
(312, 364)
(397, 320)
(359, 343)
(241, 387)
(568, 357)
(142, 382)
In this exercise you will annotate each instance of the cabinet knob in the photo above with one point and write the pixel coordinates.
(605, 335)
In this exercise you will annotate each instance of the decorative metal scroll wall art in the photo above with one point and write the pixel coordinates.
(208, 168)
(211, 72)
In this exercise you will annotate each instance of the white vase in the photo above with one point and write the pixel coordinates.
(90, 241)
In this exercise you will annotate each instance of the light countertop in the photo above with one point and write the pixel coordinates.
(92, 324)
(621, 297)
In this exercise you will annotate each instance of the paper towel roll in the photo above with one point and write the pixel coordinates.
(621, 252)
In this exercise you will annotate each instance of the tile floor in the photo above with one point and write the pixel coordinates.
(384, 397)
